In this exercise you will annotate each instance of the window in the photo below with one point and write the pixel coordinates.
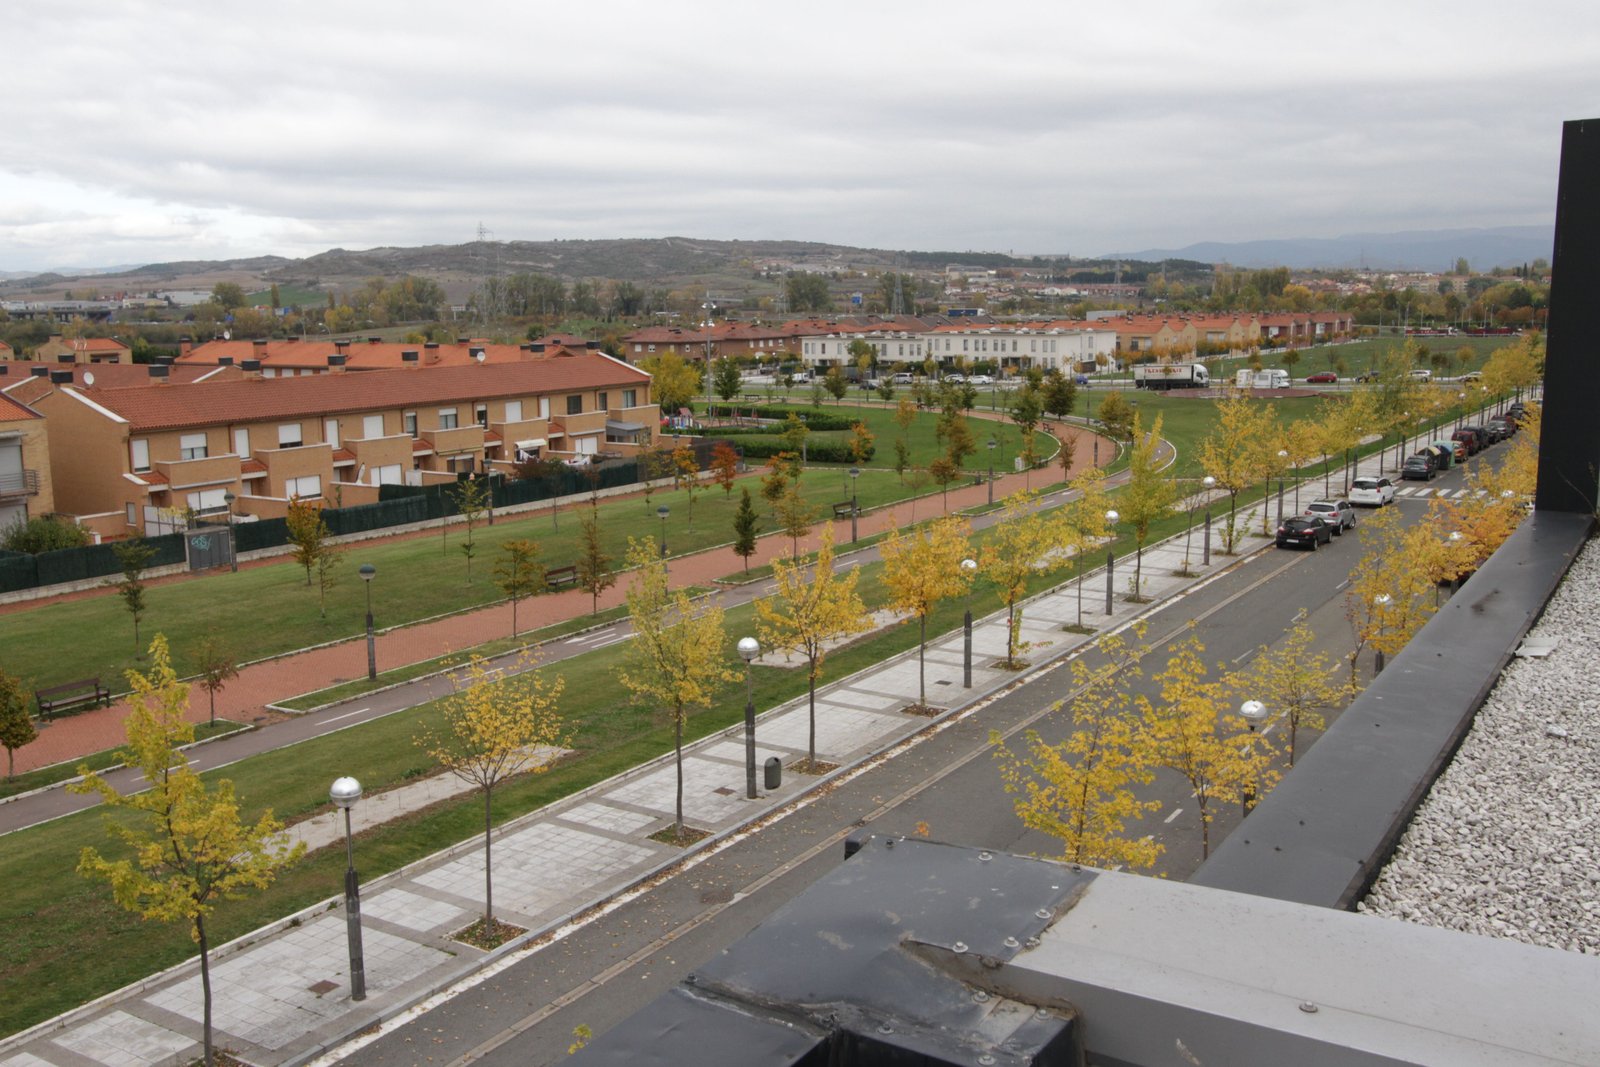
(307, 487)
(192, 446)
(513, 411)
(544, 407)
(330, 432)
(630, 398)
(389, 474)
(447, 418)
(140, 454)
(409, 421)
(372, 426)
(481, 411)
(600, 403)
(289, 435)
(575, 404)
(208, 502)
(241, 442)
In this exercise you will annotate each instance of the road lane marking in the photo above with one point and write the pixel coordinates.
(1175, 813)
(346, 715)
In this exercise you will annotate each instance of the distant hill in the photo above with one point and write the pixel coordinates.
(1431, 250)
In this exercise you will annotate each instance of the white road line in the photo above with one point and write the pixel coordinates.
(346, 715)
(613, 639)
(1244, 655)
(1175, 813)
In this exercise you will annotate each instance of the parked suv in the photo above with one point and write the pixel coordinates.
(1372, 492)
(1418, 468)
(1337, 512)
(1501, 427)
(1472, 437)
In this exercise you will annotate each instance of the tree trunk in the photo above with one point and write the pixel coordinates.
(811, 692)
(205, 981)
(677, 746)
(513, 617)
(212, 693)
(488, 883)
(922, 669)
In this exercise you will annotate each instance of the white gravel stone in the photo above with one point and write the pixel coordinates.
(1503, 844)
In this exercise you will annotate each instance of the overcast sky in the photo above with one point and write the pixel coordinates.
(138, 131)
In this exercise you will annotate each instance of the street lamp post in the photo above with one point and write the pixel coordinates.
(1461, 407)
(1381, 603)
(968, 568)
(855, 472)
(1254, 713)
(369, 572)
(749, 649)
(1188, 534)
(661, 513)
(709, 308)
(344, 794)
(991, 469)
(1111, 560)
(233, 547)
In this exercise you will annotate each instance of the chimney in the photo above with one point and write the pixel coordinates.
(592, 346)
(60, 377)
(341, 347)
(476, 352)
(165, 361)
(224, 361)
(185, 345)
(252, 369)
(536, 347)
(463, 340)
(39, 372)
(433, 345)
(336, 364)
(373, 340)
(409, 357)
(70, 357)
(258, 348)
(159, 373)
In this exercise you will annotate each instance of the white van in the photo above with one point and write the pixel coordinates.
(1422, 374)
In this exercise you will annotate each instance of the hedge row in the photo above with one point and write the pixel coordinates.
(816, 451)
(814, 418)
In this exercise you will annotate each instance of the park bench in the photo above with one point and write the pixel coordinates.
(843, 511)
(84, 691)
(561, 577)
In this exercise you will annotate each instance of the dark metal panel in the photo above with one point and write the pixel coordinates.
(1569, 437)
(1321, 836)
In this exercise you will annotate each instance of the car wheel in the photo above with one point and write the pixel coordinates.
(1313, 543)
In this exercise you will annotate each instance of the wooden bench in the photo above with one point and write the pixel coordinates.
(85, 691)
(843, 511)
(561, 577)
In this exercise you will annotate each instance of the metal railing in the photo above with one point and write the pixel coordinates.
(22, 483)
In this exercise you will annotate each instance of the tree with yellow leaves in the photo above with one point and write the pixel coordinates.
(1082, 523)
(803, 615)
(922, 567)
(1189, 731)
(1019, 546)
(1232, 454)
(1148, 496)
(191, 848)
(678, 655)
(1293, 682)
(1082, 790)
(498, 723)
(1388, 598)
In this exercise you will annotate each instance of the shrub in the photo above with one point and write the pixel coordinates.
(813, 418)
(44, 534)
(816, 451)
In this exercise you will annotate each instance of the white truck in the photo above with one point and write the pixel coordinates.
(1261, 379)
(1171, 376)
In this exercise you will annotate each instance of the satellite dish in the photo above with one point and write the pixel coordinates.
(88, 377)
(479, 357)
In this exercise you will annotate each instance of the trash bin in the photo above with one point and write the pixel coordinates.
(774, 769)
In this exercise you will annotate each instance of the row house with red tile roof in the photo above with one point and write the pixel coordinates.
(733, 339)
(296, 357)
(26, 489)
(140, 452)
(83, 350)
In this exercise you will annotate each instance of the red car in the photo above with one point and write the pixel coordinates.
(1325, 377)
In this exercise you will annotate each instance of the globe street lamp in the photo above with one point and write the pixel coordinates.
(1380, 604)
(991, 469)
(344, 794)
(749, 649)
(1207, 483)
(233, 548)
(369, 572)
(1283, 461)
(1254, 713)
(855, 472)
(1111, 559)
(661, 513)
(969, 567)
(1461, 407)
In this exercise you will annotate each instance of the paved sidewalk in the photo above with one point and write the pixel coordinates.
(282, 995)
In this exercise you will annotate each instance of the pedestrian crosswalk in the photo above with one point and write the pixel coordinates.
(1416, 491)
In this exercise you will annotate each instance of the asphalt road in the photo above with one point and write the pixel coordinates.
(944, 784)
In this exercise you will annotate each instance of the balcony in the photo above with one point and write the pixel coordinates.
(193, 473)
(452, 442)
(21, 483)
(588, 422)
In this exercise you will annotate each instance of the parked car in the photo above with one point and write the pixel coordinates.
(904, 377)
(980, 379)
(1323, 377)
(1080, 379)
(1458, 450)
(1338, 512)
(1367, 376)
(1418, 468)
(1372, 492)
(1472, 437)
(1500, 427)
(1304, 532)
(956, 379)
(1516, 410)
(1472, 376)
(1421, 374)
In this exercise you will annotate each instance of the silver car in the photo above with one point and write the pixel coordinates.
(1339, 513)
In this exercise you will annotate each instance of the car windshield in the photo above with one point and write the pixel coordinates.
(1364, 484)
